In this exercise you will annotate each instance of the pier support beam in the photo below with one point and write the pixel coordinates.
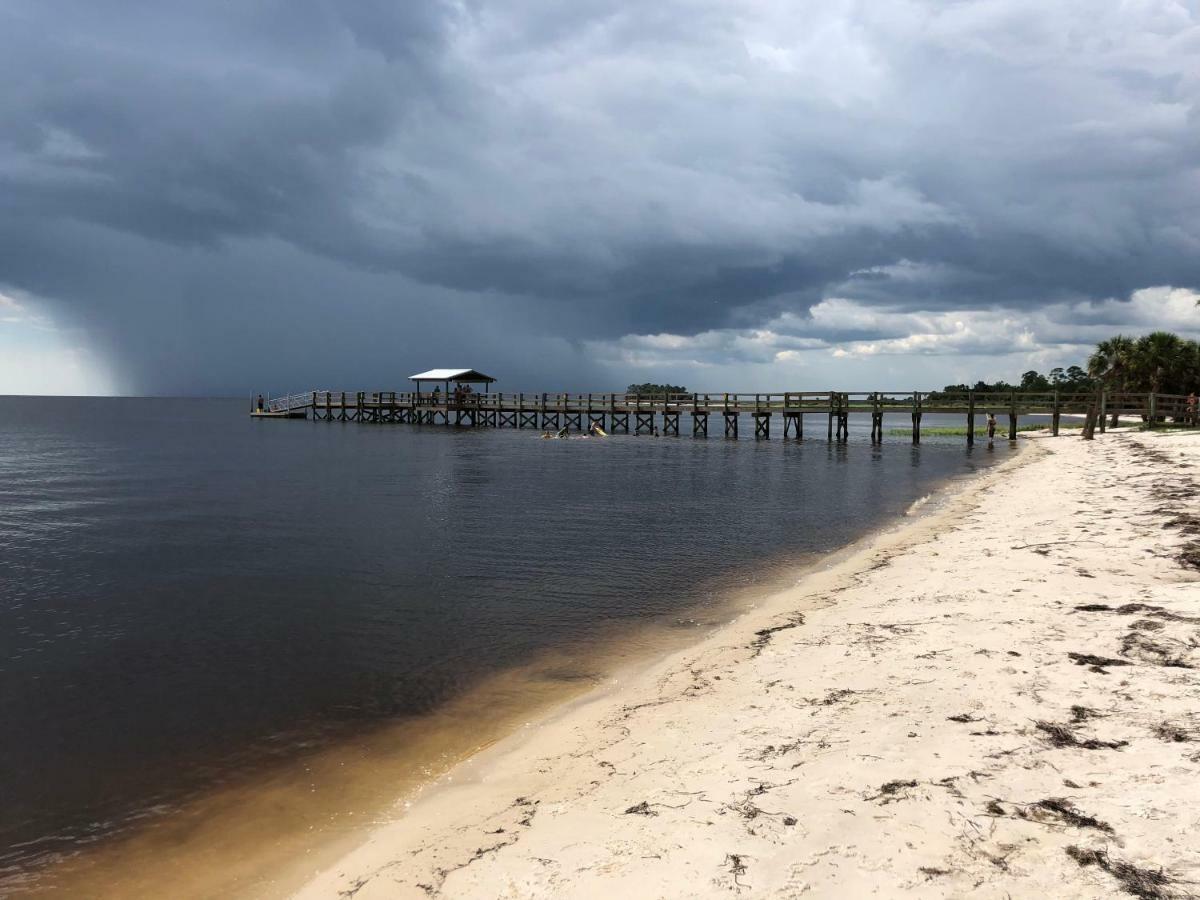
(671, 423)
(596, 418)
(550, 421)
(971, 419)
(643, 421)
(793, 422)
(620, 421)
(731, 425)
(573, 419)
(762, 425)
(699, 424)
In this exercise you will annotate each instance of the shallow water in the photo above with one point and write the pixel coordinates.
(189, 597)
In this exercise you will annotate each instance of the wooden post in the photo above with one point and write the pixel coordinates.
(829, 434)
(1054, 416)
(1103, 410)
(970, 418)
(916, 418)
(1153, 408)
(1012, 416)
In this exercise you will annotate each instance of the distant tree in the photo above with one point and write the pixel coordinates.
(651, 388)
(1077, 379)
(1034, 381)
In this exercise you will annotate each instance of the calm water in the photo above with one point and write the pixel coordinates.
(185, 592)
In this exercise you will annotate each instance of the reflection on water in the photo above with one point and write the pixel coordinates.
(187, 595)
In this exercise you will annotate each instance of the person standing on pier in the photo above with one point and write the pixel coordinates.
(260, 403)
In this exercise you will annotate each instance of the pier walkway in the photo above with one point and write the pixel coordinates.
(643, 413)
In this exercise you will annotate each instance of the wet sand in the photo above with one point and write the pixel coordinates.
(999, 699)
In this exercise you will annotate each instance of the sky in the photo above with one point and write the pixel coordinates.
(237, 196)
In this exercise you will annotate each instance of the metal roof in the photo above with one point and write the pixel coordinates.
(451, 375)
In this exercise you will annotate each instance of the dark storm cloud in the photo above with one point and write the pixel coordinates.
(594, 168)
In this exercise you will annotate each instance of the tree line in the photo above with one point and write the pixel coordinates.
(650, 387)
(1160, 362)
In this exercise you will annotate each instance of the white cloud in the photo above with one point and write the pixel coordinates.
(1059, 334)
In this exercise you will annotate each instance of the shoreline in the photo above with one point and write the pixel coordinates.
(203, 846)
(481, 829)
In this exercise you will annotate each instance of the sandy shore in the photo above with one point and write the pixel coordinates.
(998, 699)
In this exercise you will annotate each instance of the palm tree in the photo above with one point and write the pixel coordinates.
(1111, 361)
(1111, 364)
(1158, 358)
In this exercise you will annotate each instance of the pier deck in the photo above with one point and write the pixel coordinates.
(643, 413)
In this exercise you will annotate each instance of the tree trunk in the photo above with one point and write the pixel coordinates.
(1089, 423)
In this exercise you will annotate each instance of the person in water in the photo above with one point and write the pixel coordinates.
(562, 432)
(991, 425)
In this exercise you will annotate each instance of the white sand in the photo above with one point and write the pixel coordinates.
(820, 757)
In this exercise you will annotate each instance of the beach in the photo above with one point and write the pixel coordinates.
(996, 698)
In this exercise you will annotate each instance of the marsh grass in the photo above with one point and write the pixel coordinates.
(961, 430)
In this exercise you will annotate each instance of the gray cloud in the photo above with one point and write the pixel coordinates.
(579, 172)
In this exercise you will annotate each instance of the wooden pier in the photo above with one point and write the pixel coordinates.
(784, 412)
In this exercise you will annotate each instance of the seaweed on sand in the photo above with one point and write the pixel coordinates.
(1139, 646)
(1062, 736)
(763, 636)
(1172, 733)
(1097, 663)
(1066, 812)
(1150, 884)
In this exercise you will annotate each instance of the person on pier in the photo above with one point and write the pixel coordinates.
(260, 402)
